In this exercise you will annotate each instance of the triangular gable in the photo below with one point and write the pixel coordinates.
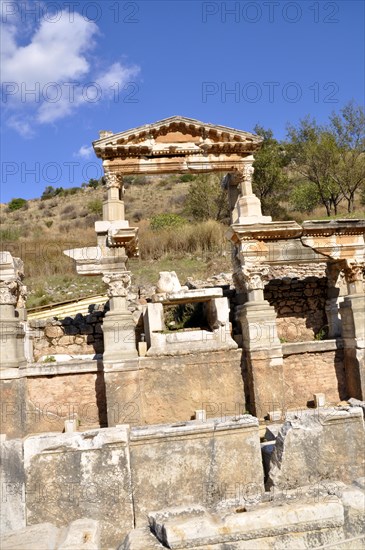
(174, 133)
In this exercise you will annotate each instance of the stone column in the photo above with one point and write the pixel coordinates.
(118, 325)
(113, 207)
(11, 331)
(353, 329)
(333, 273)
(262, 348)
(248, 206)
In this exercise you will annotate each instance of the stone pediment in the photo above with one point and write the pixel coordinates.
(175, 136)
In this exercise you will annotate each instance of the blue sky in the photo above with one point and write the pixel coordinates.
(116, 65)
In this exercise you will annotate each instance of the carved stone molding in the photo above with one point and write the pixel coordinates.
(118, 284)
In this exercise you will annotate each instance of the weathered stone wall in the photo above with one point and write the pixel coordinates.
(299, 271)
(45, 395)
(308, 373)
(117, 477)
(52, 400)
(154, 390)
(300, 306)
(194, 463)
(79, 335)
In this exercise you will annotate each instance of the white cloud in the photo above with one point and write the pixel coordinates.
(54, 74)
(22, 126)
(85, 152)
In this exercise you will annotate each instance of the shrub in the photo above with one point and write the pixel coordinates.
(200, 239)
(15, 204)
(187, 177)
(70, 191)
(50, 192)
(10, 234)
(48, 223)
(95, 206)
(69, 209)
(163, 221)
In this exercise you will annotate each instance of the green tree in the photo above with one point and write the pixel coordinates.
(270, 180)
(207, 199)
(15, 204)
(312, 149)
(348, 129)
(304, 197)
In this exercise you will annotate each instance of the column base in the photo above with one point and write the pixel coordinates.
(353, 332)
(119, 337)
(264, 358)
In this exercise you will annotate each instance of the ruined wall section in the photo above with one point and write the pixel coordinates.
(79, 335)
(300, 307)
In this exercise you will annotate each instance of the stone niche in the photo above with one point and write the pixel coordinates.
(161, 341)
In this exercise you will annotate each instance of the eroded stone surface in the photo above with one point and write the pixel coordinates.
(75, 475)
(12, 479)
(194, 463)
(319, 445)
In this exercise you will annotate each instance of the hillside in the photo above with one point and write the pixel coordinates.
(39, 231)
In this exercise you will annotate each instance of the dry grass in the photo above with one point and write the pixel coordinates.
(197, 239)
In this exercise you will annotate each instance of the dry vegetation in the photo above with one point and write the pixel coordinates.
(40, 231)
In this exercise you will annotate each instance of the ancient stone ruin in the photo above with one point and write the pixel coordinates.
(244, 432)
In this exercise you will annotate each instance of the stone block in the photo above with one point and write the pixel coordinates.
(272, 431)
(76, 475)
(319, 399)
(324, 444)
(44, 536)
(275, 416)
(139, 539)
(82, 534)
(201, 415)
(168, 282)
(12, 479)
(265, 527)
(53, 331)
(193, 462)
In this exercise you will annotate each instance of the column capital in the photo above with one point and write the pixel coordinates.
(254, 276)
(354, 271)
(13, 292)
(118, 284)
(113, 180)
(243, 178)
(8, 292)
